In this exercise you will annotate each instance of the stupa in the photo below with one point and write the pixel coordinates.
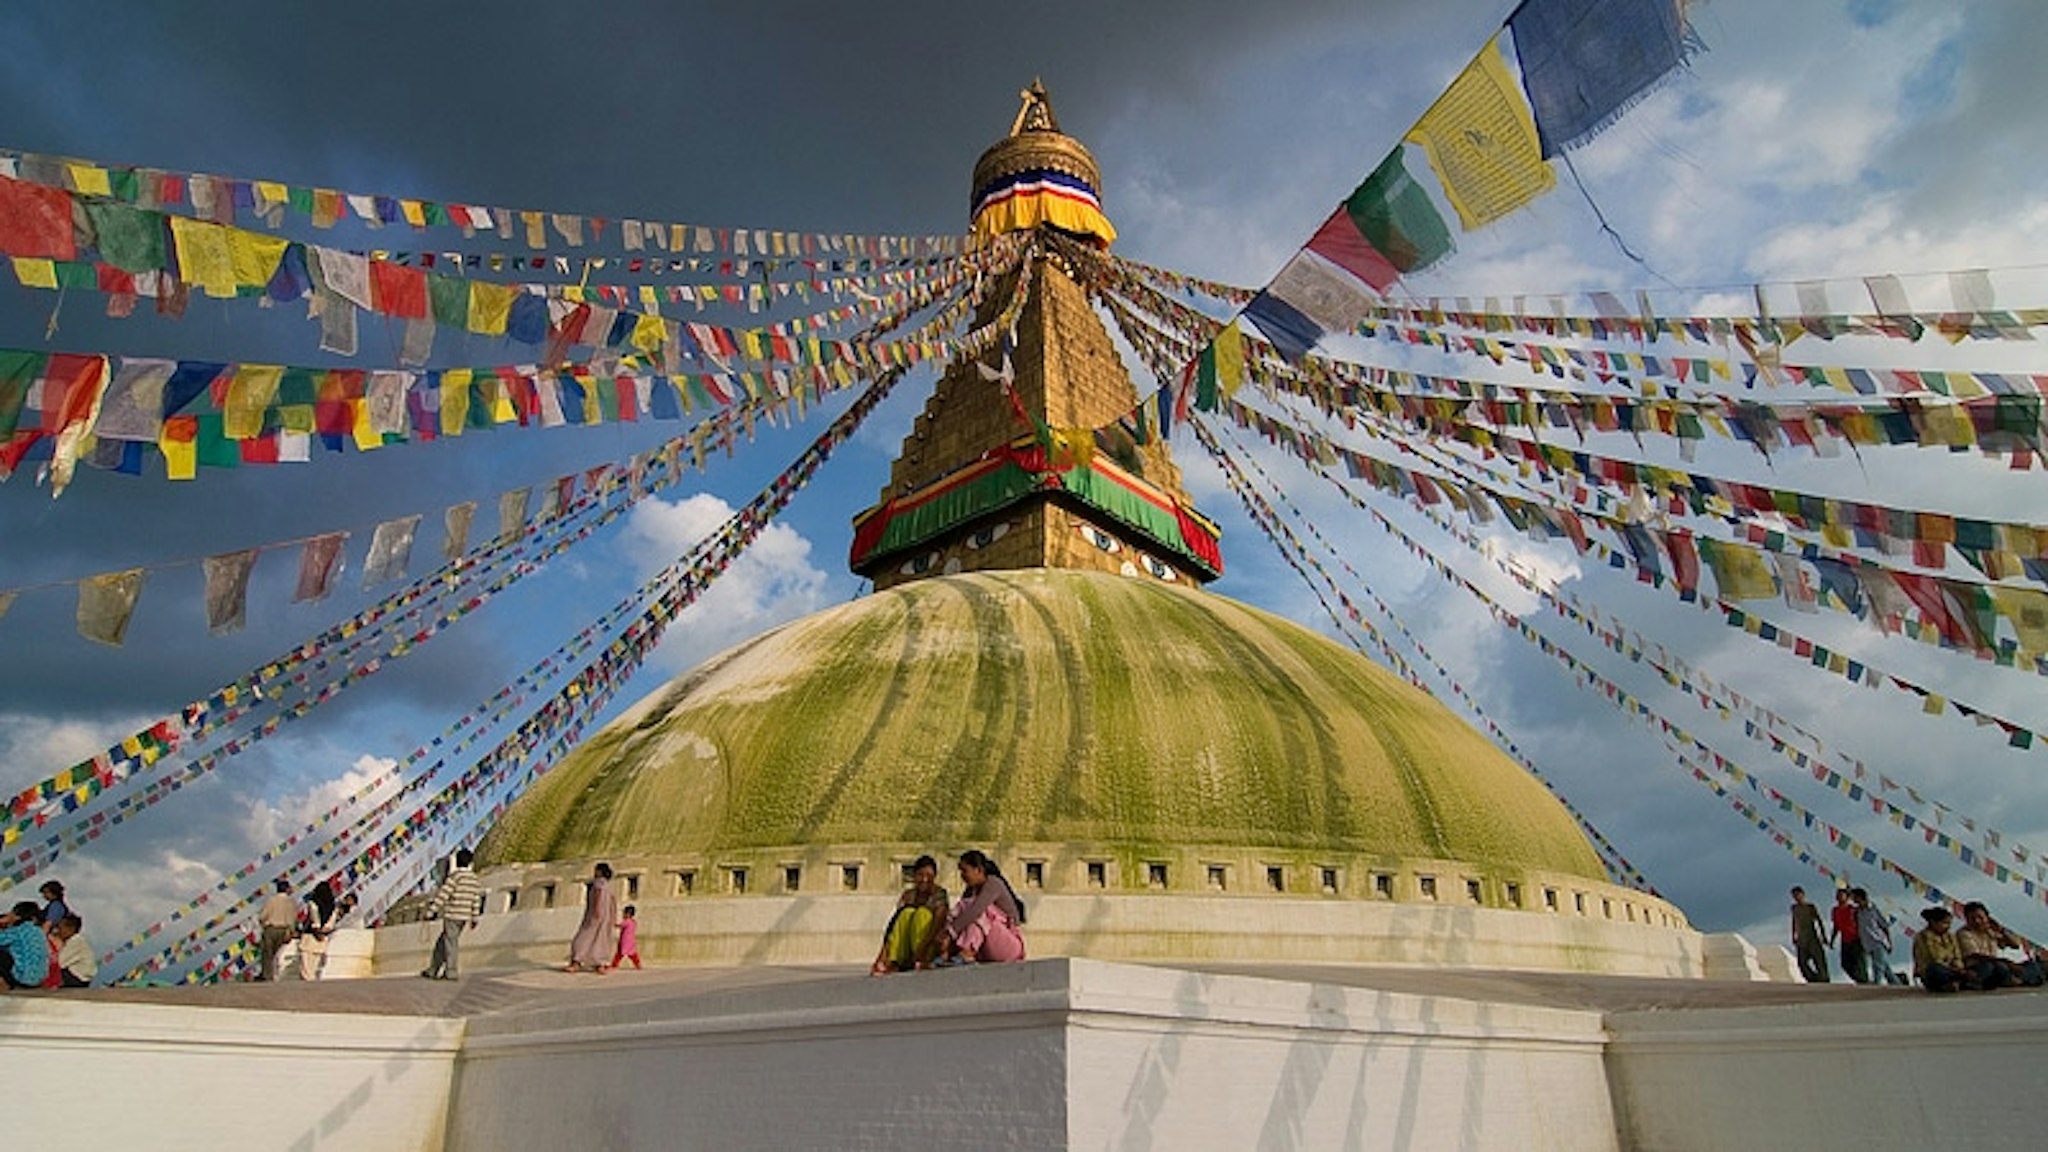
(1163, 772)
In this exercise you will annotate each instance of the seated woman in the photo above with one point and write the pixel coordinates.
(984, 927)
(914, 933)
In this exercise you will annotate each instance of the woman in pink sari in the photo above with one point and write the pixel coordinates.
(983, 927)
(597, 937)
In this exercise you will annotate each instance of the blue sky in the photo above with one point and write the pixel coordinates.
(1811, 141)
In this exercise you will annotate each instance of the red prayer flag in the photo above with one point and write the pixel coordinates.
(35, 221)
(1341, 243)
(398, 291)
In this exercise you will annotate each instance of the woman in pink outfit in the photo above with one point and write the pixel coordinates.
(597, 937)
(984, 926)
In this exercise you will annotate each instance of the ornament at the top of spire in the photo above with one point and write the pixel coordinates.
(1036, 113)
(1038, 175)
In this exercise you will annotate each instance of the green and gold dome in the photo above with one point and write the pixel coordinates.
(1063, 713)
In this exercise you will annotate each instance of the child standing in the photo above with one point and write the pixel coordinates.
(629, 939)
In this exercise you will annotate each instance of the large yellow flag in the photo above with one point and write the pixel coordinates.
(1480, 137)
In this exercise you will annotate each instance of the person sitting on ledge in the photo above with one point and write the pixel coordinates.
(912, 938)
(984, 928)
(1937, 959)
(77, 964)
(24, 946)
(1980, 940)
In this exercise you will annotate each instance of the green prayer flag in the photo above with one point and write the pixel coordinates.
(125, 184)
(18, 373)
(301, 199)
(1205, 380)
(214, 449)
(129, 238)
(449, 299)
(77, 274)
(1398, 218)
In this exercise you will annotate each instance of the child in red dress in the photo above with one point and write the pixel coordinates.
(629, 939)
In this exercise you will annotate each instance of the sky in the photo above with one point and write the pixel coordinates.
(1813, 140)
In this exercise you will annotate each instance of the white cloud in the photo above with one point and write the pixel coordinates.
(773, 581)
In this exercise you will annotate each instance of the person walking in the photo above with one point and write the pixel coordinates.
(275, 923)
(1843, 916)
(1807, 939)
(456, 903)
(598, 936)
(1876, 937)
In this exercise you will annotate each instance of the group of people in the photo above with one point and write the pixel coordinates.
(1970, 957)
(1854, 925)
(985, 927)
(608, 936)
(311, 922)
(44, 945)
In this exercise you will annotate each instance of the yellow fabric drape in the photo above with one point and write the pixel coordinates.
(250, 392)
(455, 400)
(1024, 212)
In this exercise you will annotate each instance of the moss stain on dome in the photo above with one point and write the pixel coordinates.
(1039, 705)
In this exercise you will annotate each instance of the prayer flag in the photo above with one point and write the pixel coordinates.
(204, 257)
(1398, 218)
(396, 290)
(390, 550)
(1739, 573)
(1585, 62)
(1480, 136)
(455, 525)
(127, 237)
(35, 221)
(250, 392)
(105, 604)
(319, 564)
(227, 590)
(511, 514)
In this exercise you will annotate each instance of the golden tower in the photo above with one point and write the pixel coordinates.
(1071, 473)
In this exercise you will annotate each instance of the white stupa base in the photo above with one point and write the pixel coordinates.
(1049, 1054)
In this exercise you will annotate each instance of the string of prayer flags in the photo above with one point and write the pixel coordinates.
(217, 198)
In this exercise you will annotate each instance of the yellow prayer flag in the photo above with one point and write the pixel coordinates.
(1739, 572)
(35, 272)
(366, 435)
(498, 400)
(649, 333)
(1480, 137)
(415, 213)
(254, 256)
(181, 462)
(455, 400)
(90, 180)
(272, 192)
(2028, 611)
(1230, 358)
(250, 392)
(203, 255)
(489, 307)
(750, 344)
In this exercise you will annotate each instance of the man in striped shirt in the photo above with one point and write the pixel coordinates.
(457, 903)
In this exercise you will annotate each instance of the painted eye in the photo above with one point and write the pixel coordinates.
(920, 565)
(1101, 539)
(988, 535)
(1157, 568)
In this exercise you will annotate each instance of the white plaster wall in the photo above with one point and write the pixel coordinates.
(846, 929)
(1179, 1061)
(1908, 1071)
(127, 1075)
(971, 1059)
(1059, 1054)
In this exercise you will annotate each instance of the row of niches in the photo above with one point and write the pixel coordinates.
(1443, 883)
